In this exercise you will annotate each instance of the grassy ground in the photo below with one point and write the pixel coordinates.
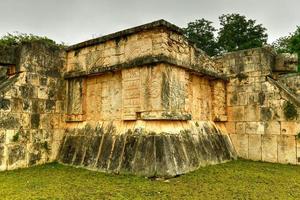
(235, 180)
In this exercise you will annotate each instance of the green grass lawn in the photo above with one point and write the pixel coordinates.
(234, 180)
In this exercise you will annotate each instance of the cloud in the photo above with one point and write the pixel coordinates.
(74, 21)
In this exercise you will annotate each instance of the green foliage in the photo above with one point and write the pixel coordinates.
(201, 32)
(290, 111)
(289, 44)
(16, 137)
(238, 33)
(17, 38)
(298, 136)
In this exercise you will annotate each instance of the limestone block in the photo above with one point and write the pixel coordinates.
(231, 94)
(25, 120)
(9, 136)
(240, 143)
(43, 92)
(286, 62)
(16, 156)
(230, 127)
(235, 113)
(269, 148)
(46, 121)
(16, 105)
(240, 127)
(75, 96)
(255, 150)
(253, 98)
(242, 98)
(255, 127)
(2, 151)
(59, 108)
(272, 127)
(55, 147)
(266, 113)
(298, 151)
(287, 149)
(252, 113)
(290, 128)
(219, 99)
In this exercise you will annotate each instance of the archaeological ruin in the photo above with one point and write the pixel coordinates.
(146, 101)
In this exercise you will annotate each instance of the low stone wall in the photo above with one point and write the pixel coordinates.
(31, 106)
(142, 151)
(258, 110)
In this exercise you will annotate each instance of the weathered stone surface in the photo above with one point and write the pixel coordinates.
(145, 101)
(286, 149)
(129, 153)
(105, 151)
(255, 148)
(258, 87)
(148, 153)
(91, 151)
(286, 62)
(269, 148)
(117, 153)
(16, 154)
(144, 160)
(165, 152)
(241, 144)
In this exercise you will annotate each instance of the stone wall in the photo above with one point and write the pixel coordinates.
(147, 95)
(143, 74)
(32, 104)
(257, 121)
(146, 148)
(146, 101)
(150, 43)
(292, 81)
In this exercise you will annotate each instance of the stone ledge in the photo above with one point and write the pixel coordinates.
(148, 60)
(165, 116)
(286, 90)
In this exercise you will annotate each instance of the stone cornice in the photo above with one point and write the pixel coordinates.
(147, 60)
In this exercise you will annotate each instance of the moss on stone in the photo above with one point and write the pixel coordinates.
(241, 76)
(16, 137)
(290, 110)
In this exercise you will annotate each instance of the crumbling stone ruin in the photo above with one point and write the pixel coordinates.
(146, 101)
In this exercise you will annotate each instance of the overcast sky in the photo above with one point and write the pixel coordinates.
(73, 21)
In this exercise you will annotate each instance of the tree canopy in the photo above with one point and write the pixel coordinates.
(201, 32)
(236, 33)
(15, 39)
(289, 44)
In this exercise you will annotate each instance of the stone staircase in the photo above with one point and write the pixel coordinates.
(291, 81)
(291, 89)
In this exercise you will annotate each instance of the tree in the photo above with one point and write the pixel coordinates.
(281, 44)
(17, 38)
(201, 32)
(237, 33)
(289, 44)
